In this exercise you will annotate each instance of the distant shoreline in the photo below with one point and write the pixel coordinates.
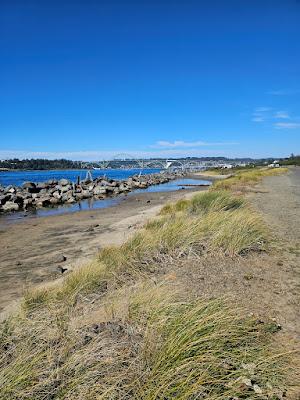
(70, 169)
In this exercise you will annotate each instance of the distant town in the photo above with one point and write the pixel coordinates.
(123, 162)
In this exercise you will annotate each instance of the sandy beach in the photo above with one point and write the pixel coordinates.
(32, 249)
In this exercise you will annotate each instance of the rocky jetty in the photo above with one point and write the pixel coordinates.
(55, 192)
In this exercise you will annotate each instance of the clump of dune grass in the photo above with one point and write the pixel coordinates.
(232, 232)
(215, 201)
(180, 205)
(236, 233)
(205, 350)
(82, 281)
(144, 344)
(210, 200)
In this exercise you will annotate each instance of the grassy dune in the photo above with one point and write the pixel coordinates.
(116, 329)
(249, 177)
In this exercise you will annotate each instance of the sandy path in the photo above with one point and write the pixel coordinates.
(29, 248)
(280, 204)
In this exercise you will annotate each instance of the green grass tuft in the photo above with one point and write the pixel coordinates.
(215, 201)
(204, 350)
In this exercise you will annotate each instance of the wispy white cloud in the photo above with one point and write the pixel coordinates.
(282, 115)
(260, 114)
(287, 125)
(283, 92)
(271, 116)
(262, 109)
(258, 118)
(180, 144)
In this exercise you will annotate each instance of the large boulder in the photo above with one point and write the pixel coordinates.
(103, 182)
(64, 182)
(41, 185)
(99, 190)
(29, 185)
(52, 182)
(109, 189)
(56, 195)
(19, 199)
(86, 194)
(54, 201)
(79, 196)
(124, 188)
(4, 198)
(27, 203)
(11, 190)
(10, 206)
(66, 188)
(43, 201)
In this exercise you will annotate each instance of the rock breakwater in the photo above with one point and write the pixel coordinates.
(56, 192)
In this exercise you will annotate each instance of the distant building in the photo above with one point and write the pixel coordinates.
(274, 164)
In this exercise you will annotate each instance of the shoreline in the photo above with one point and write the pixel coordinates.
(33, 249)
(53, 192)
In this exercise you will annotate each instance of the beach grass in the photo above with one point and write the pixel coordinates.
(148, 344)
(243, 179)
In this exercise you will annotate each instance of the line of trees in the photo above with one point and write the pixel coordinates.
(40, 164)
(292, 160)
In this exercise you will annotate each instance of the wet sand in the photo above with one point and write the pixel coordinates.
(30, 249)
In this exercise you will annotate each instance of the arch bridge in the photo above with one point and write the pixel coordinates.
(124, 160)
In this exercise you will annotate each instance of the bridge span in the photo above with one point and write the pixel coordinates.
(124, 161)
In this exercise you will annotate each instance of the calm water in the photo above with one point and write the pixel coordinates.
(17, 178)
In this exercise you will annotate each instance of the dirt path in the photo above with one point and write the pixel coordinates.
(280, 204)
(264, 284)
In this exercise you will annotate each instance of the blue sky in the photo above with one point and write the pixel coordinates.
(87, 79)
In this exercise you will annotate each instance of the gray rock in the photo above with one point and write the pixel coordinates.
(27, 203)
(56, 195)
(54, 200)
(52, 182)
(10, 206)
(64, 182)
(29, 185)
(43, 201)
(99, 190)
(64, 198)
(43, 192)
(66, 188)
(86, 194)
(8, 188)
(257, 389)
(78, 196)
(59, 258)
(4, 198)
(41, 185)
